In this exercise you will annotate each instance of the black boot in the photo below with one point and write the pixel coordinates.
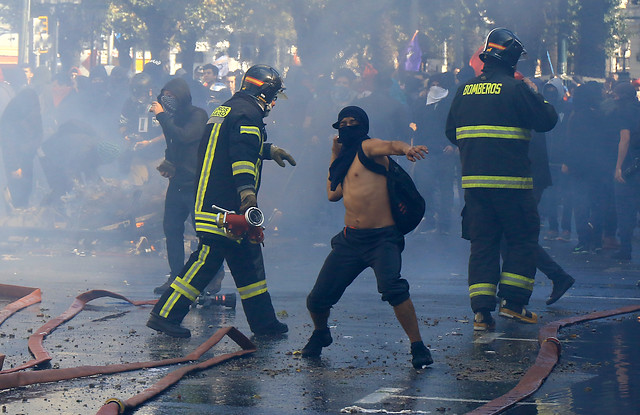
(421, 356)
(167, 327)
(559, 288)
(319, 338)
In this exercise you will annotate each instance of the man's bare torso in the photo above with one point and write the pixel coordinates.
(365, 197)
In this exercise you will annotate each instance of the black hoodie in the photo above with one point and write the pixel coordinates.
(182, 132)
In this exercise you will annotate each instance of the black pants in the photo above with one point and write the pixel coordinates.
(247, 268)
(487, 216)
(354, 250)
(178, 205)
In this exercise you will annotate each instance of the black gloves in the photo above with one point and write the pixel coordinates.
(279, 156)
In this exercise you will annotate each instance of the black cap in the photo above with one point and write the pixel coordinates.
(357, 113)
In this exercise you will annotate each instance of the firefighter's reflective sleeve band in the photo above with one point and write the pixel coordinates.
(482, 289)
(251, 129)
(184, 287)
(497, 182)
(240, 167)
(492, 131)
(516, 280)
(203, 182)
(252, 290)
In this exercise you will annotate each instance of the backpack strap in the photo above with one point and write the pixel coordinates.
(370, 164)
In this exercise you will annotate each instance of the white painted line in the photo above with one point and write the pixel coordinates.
(440, 398)
(490, 337)
(379, 395)
(487, 338)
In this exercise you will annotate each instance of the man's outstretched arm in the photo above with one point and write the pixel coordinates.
(376, 147)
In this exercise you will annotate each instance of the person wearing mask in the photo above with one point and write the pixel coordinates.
(490, 120)
(228, 177)
(437, 177)
(370, 237)
(182, 125)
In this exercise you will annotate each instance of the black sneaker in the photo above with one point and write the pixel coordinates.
(560, 288)
(421, 356)
(319, 339)
(483, 321)
(517, 312)
(273, 329)
(165, 326)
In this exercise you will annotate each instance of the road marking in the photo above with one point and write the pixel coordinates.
(490, 337)
(379, 395)
(383, 394)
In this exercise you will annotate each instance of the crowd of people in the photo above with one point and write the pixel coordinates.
(137, 139)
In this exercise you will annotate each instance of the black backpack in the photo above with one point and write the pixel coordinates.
(407, 204)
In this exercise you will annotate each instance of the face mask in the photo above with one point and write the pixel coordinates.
(351, 134)
(170, 104)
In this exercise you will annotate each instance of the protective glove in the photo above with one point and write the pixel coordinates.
(279, 156)
(247, 199)
(167, 169)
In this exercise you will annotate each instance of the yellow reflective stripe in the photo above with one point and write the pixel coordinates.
(186, 289)
(250, 129)
(516, 280)
(497, 182)
(176, 294)
(482, 289)
(257, 173)
(203, 182)
(252, 290)
(492, 131)
(243, 166)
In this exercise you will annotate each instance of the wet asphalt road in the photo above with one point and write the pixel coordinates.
(366, 369)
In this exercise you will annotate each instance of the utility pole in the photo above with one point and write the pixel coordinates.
(25, 33)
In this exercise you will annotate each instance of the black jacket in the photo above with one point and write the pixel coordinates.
(490, 120)
(183, 132)
(230, 159)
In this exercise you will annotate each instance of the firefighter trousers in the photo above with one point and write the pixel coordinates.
(487, 216)
(247, 268)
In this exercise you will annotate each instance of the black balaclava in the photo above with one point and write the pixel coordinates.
(351, 138)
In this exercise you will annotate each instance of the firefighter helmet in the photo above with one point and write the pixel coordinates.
(262, 82)
(503, 45)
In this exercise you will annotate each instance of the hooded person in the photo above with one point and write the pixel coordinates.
(182, 125)
(370, 238)
(351, 138)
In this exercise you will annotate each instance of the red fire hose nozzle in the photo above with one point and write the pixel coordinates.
(237, 225)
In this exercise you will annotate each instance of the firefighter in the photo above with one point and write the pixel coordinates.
(230, 164)
(490, 120)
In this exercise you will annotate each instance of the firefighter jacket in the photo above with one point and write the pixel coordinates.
(230, 159)
(490, 120)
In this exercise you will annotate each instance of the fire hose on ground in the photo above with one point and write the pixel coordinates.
(16, 377)
(545, 362)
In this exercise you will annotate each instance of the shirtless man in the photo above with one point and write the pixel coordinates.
(369, 238)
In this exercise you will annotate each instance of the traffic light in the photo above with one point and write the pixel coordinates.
(40, 34)
(44, 24)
